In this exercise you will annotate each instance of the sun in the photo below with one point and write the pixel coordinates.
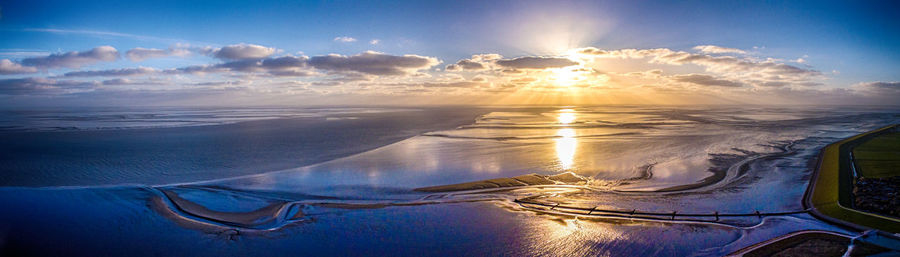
(567, 77)
(564, 77)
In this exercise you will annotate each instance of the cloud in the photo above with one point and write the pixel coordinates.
(534, 62)
(113, 72)
(138, 54)
(24, 86)
(477, 62)
(458, 84)
(879, 87)
(41, 86)
(196, 69)
(8, 67)
(287, 66)
(771, 84)
(525, 80)
(283, 66)
(416, 86)
(74, 59)
(243, 52)
(733, 68)
(374, 42)
(242, 66)
(591, 51)
(466, 65)
(119, 81)
(264, 71)
(344, 39)
(706, 80)
(711, 49)
(47, 86)
(125, 82)
(374, 63)
(285, 62)
(512, 72)
(229, 84)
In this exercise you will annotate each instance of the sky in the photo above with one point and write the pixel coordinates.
(266, 53)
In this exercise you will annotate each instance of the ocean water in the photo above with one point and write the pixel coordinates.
(167, 194)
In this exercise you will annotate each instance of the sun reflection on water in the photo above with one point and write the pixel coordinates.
(566, 116)
(566, 144)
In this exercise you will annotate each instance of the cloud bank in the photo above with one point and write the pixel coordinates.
(74, 59)
(707, 72)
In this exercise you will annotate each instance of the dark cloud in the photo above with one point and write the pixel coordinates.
(113, 72)
(466, 65)
(591, 51)
(242, 66)
(292, 73)
(885, 85)
(74, 59)
(533, 62)
(281, 66)
(370, 63)
(880, 87)
(706, 80)
(288, 66)
(373, 63)
(8, 67)
(243, 52)
(772, 84)
(285, 62)
(512, 71)
(140, 54)
(196, 69)
(119, 81)
(41, 86)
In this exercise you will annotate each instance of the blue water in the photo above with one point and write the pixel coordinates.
(687, 159)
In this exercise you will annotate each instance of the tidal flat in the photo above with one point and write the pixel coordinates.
(344, 181)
